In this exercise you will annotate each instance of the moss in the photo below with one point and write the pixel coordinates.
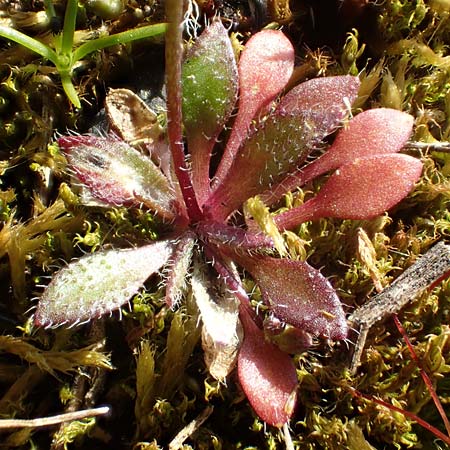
(159, 383)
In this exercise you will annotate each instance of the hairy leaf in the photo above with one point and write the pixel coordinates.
(305, 116)
(267, 375)
(210, 86)
(179, 268)
(329, 97)
(297, 294)
(360, 190)
(99, 283)
(325, 102)
(265, 157)
(222, 331)
(220, 233)
(117, 174)
(265, 66)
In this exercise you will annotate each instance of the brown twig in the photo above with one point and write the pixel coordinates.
(432, 267)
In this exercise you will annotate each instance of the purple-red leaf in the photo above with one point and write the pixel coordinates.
(117, 174)
(265, 66)
(305, 116)
(360, 190)
(99, 283)
(267, 375)
(232, 236)
(373, 132)
(297, 294)
(210, 86)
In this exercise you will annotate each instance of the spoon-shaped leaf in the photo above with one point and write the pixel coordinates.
(375, 131)
(360, 190)
(210, 85)
(117, 174)
(99, 283)
(267, 375)
(297, 294)
(265, 66)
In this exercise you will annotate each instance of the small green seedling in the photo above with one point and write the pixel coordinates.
(64, 56)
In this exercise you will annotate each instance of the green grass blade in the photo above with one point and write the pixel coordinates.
(70, 90)
(119, 38)
(30, 43)
(70, 20)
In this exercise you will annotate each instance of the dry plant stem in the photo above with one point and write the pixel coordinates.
(178, 441)
(443, 146)
(53, 420)
(22, 387)
(430, 268)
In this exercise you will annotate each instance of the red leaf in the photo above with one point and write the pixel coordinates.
(330, 96)
(265, 66)
(298, 294)
(373, 132)
(267, 375)
(360, 190)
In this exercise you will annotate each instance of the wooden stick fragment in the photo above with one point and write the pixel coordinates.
(190, 429)
(430, 268)
(53, 420)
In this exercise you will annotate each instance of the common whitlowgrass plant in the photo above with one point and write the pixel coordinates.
(271, 136)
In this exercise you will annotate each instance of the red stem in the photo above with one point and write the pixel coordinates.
(296, 216)
(423, 374)
(409, 414)
(174, 49)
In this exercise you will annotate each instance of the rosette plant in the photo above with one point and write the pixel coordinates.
(271, 136)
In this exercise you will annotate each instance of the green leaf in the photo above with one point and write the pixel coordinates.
(209, 80)
(99, 283)
(210, 89)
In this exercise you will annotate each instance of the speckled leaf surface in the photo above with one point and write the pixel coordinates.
(328, 97)
(117, 174)
(210, 82)
(210, 87)
(265, 157)
(99, 283)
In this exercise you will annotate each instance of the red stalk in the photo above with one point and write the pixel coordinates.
(423, 374)
(174, 13)
(409, 414)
